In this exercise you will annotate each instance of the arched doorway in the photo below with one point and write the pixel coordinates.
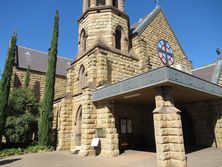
(78, 126)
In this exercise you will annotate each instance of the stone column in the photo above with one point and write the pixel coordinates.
(218, 124)
(168, 131)
(88, 123)
(64, 133)
(106, 120)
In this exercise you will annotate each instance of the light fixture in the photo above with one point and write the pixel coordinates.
(131, 96)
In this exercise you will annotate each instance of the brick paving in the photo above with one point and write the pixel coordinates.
(210, 157)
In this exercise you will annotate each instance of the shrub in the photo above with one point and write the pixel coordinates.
(20, 151)
(22, 115)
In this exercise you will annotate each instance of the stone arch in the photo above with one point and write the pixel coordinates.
(83, 43)
(78, 126)
(82, 77)
(120, 39)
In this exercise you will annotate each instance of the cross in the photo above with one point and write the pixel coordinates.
(157, 2)
(219, 53)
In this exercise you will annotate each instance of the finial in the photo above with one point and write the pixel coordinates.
(157, 2)
(219, 53)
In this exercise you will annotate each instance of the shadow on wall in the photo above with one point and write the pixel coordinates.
(199, 122)
(36, 89)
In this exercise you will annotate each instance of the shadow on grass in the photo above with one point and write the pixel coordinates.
(8, 161)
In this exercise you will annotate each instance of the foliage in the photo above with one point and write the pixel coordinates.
(19, 151)
(45, 121)
(6, 82)
(27, 77)
(22, 115)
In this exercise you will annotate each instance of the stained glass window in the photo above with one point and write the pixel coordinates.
(165, 52)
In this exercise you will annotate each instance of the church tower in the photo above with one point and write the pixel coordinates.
(103, 21)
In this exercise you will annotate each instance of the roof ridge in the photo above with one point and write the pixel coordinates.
(43, 52)
(146, 20)
(200, 68)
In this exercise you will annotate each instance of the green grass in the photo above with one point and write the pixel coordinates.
(20, 151)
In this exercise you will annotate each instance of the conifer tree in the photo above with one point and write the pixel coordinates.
(46, 107)
(27, 77)
(6, 82)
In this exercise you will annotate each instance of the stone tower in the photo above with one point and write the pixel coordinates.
(103, 21)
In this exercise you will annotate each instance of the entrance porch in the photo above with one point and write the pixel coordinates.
(164, 110)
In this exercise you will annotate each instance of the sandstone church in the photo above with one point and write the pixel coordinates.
(133, 87)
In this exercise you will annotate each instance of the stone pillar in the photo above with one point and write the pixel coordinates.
(88, 123)
(64, 133)
(106, 120)
(218, 124)
(168, 131)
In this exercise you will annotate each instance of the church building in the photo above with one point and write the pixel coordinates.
(133, 87)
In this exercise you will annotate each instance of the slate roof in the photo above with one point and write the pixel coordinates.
(38, 61)
(205, 72)
(139, 27)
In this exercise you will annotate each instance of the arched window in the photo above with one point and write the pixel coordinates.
(78, 124)
(100, 2)
(115, 3)
(82, 77)
(83, 40)
(118, 37)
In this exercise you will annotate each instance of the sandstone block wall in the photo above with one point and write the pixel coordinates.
(102, 25)
(145, 45)
(169, 140)
(207, 123)
(168, 130)
(143, 129)
(106, 120)
(37, 82)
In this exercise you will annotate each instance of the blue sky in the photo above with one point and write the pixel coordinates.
(196, 23)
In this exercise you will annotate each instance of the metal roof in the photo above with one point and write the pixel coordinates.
(38, 61)
(210, 72)
(158, 77)
(137, 28)
(205, 72)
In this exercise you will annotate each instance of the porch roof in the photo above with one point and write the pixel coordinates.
(141, 88)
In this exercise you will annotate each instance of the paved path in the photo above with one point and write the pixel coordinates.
(205, 158)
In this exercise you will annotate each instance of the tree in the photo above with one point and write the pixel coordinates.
(46, 106)
(22, 117)
(27, 77)
(6, 82)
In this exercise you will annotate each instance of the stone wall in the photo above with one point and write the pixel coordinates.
(145, 44)
(101, 25)
(106, 120)
(142, 136)
(102, 67)
(62, 120)
(207, 123)
(37, 82)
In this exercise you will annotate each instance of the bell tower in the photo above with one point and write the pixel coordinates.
(103, 21)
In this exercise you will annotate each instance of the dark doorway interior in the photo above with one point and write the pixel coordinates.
(135, 128)
(188, 132)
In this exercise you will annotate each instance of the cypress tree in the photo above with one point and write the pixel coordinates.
(46, 106)
(6, 82)
(27, 77)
